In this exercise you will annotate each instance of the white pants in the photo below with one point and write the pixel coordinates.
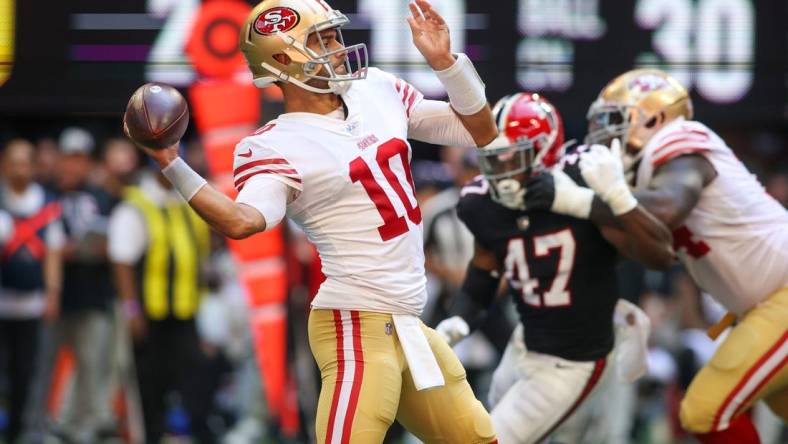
(88, 333)
(533, 393)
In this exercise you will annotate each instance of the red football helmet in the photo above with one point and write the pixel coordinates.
(531, 134)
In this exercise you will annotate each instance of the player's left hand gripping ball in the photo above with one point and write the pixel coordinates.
(156, 117)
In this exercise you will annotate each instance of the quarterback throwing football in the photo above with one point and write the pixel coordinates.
(337, 162)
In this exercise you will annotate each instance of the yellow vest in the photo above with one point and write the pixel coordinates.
(178, 242)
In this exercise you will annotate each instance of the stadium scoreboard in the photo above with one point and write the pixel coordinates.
(88, 55)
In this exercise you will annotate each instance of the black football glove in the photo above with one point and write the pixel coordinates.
(540, 192)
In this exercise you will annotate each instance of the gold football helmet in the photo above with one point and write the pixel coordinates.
(634, 106)
(283, 27)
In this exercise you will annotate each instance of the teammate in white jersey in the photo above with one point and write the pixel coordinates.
(337, 162)
(730, 235)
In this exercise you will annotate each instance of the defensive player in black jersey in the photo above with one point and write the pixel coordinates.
(559, 269)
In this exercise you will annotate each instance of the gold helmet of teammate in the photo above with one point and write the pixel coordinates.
(634, 106)
(276, 27)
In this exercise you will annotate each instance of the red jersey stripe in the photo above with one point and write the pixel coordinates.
(405, 92)
(412, 100)
(255, 163)
(239, 184)
(676, 153)
(683, 140)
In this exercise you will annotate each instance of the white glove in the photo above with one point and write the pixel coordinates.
(632, 328)
(603, 171)
(453, 329)
(570, 199)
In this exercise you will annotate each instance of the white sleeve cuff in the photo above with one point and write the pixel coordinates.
(183, 178)
(464, 86)
(268, 196)
(433, 121)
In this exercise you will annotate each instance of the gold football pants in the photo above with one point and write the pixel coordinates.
(750, 364)
(367, 385)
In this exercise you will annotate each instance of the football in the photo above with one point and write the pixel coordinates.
(157, 116)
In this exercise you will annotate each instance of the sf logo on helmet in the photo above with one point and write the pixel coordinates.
(647, 83)
(275, 20)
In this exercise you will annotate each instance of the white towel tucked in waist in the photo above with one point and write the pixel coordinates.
(423, 365)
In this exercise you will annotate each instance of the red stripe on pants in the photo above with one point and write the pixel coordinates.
(340, 375)
(358, 376)
(596, 375)
(746, 378)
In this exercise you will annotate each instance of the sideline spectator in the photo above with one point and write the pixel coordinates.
(85, 324)
(31, 271)
(158, 246)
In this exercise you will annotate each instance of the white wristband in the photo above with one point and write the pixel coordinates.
(464, 86)
(576, 204)
(183, 178)
(620, 199)
(571, 199)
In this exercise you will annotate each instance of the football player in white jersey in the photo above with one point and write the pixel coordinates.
(337, 162)
(730, 235)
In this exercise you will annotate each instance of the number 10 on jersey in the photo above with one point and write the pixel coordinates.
(393, 224)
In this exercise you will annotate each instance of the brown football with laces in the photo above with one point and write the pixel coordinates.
(157, 116)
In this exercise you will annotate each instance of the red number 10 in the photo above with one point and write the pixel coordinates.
(393, 224)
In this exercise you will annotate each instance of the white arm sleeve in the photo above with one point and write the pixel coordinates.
(269, 196)
(434, 121)
(55, 235)
(127, 236)
(6, 227)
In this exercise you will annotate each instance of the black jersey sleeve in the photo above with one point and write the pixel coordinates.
(570, 163)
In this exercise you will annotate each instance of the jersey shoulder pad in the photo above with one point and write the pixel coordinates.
(569, 163)
(474, 198)
(679, 138)
(407, 94)
(259, 154)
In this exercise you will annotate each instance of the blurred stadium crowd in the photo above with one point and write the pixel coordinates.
(107, 356)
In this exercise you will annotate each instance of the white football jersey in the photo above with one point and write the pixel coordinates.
(734, 243)
(355, 194)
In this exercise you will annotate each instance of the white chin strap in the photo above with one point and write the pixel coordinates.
(511, 194)
(334, 87)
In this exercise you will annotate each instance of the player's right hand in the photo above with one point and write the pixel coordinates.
(453, 329)
(603, 171)
(163, 157)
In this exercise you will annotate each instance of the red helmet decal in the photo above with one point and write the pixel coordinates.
(279, 19)
(648, 82)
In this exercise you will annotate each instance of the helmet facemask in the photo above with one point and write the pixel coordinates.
(507, 167)
(608, 121)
